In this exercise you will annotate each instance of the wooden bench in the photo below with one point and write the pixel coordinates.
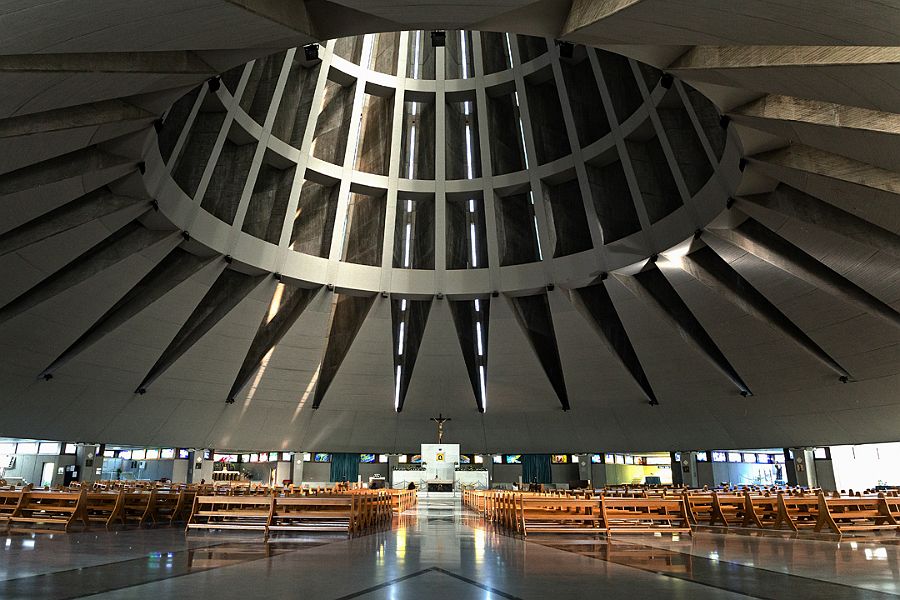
(760, 511)
(701, 508)
(893, 504)
(59, 509)
(9, 502)
(645, 515)
(136, 507)
(558, 515)
(231, 512)
(172, 506)
(728, 509)
(797, 512)
(856, 514)
(403, 500)
(339, 513)
(102, 507)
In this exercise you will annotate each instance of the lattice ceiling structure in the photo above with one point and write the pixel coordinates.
(621, 226)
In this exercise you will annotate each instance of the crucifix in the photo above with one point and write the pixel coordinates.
(440, 420)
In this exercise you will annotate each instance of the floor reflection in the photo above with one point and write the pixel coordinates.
(441, 549)
(658, 560)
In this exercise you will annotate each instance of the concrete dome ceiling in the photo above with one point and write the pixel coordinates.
(222, 264)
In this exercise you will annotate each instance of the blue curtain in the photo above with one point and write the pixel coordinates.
(345, 467)
(536, 468)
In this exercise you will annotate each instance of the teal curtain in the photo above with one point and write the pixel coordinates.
(345, 467)
(536, 468)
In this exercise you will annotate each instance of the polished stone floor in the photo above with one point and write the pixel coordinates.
(440, 550)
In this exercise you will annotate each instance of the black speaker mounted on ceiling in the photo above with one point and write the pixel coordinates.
(438, 39)
(311, 51)
(566, 49)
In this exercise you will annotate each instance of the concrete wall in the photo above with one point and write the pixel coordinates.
(825, 477)
(506, 474)
(28, 467)
(564, 473)
(204, 472)
(180, 470)
(313, 471)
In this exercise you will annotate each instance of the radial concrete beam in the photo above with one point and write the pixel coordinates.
(73, 164)
(653, 288)
(177, 266)
(795, 204)
(533, 316)
(755, 238)
(864, 71)
(788, 109)
(92, 206)
(127, 241)
(347, 318)
(166, 62)
(293, 15)
(863, 134)
(294, 301)
(412, 316)
(595, 302)
(798, 157)
(743, 57)
(227, 292)
(82, 115)
(465, 319)
(705, 265)
(585, 13)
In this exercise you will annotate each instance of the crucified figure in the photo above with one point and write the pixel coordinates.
(440, 420)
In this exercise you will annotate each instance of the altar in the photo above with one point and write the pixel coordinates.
(437, 485)
(440, 462)
(440, 475)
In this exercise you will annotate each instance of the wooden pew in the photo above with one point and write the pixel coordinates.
(558, 515)
(9, 502)
(59, 509)
(760, 511)
(403, 500)
(231, 512)
(700, 507)
(182, 510)
(893, 504)
(346, 513)
(797, 512)
(728, 509)
(102, 507)
(645, 515)
(137, 507)
(170, 506)
(856, 514)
